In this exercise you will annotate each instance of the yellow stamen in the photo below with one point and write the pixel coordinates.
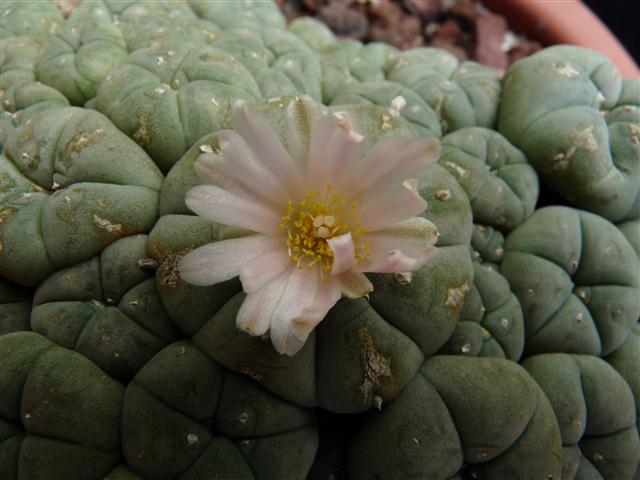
(316, 218)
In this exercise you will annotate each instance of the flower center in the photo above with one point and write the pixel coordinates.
(318, 217)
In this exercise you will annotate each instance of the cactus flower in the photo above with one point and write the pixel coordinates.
(310, 225)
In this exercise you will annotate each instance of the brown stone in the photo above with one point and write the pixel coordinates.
(490, 31)
(344, 21)
(523, 49)
(425, 10)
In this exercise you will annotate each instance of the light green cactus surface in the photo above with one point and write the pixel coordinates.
(487, 244)
(577, 279)
(491, 323)
(583, 136)
(72, 184)
(512, 353)
(462, 94)
(502, 186)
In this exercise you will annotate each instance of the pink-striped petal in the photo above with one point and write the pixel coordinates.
(415, 232)
(264, 141)
(249, 170)
(396, 261)
(257, 310)
(220, 261)
(214, 170)
(327, 295)
(355, 285)
(392, 206)
(403, 247)
(389, 162)
(344, 252)
(228, 208)
(256, 273)
(331, 151)
(375, 163)
(299, 293)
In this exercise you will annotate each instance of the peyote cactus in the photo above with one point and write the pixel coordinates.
(577, 278)
(582, 138)
(72, 185)
(502, 186)
(168, 98)
(491, 323)
(106, 308)
(59, 412)
(184, 417)
(211, 316)
(15, 307)
(463, 95)
(236, 249)
(483, 417)
(595, 411)
(487, 245)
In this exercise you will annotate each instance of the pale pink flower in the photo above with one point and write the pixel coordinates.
(311, 224)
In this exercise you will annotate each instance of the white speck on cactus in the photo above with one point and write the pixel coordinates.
(397, 104)
(318, 223)
(566, 69)
(456, 169)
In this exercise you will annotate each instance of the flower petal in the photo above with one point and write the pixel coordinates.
(396, 261)
(299, 293)
(214, 170)
(246, 167)
(219, 261)
(327, 295)
(392, 206)
(391, 161)
(415, 232)
(377, 161)
(228, 208)
(403, 247)
(355, 285)
(331, 151)
(256, 312)
(264, 141)
(343, 253)
(257, 272)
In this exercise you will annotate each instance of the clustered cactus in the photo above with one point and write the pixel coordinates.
(510, 350)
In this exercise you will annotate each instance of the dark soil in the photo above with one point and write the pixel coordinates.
(464, 27)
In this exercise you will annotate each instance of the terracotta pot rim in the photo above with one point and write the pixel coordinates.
(565, 22)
